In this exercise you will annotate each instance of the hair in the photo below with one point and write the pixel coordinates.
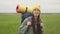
(37, 9)
(38, 24)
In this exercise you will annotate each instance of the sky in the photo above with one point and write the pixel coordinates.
(47, 6)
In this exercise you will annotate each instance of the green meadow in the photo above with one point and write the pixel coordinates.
(9, 23)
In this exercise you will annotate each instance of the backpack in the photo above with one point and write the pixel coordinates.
(25, 15)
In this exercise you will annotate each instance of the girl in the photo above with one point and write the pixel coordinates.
(32, 24)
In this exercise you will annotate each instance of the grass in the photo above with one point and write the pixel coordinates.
(9, 23)
(52, 23)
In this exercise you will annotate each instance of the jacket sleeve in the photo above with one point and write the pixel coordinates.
(42, 25)
(23, 27)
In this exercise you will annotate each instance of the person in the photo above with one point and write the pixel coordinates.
(32, 24)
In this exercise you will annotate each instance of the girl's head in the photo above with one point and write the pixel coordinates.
(36, 12)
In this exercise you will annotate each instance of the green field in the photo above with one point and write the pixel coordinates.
(9, 23)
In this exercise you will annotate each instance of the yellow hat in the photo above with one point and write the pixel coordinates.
(36, 7)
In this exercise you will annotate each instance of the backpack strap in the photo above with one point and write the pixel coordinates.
(28, 28)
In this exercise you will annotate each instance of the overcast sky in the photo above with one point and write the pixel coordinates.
(47, 6)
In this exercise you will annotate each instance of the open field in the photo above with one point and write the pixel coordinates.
(9, 23)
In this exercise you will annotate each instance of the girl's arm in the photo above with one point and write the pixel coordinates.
(42, 25)
(23, 27)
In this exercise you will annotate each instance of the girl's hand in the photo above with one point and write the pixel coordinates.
(42, 25)
(28, 23)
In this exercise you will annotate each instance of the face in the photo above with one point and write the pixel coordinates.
(36, 12)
